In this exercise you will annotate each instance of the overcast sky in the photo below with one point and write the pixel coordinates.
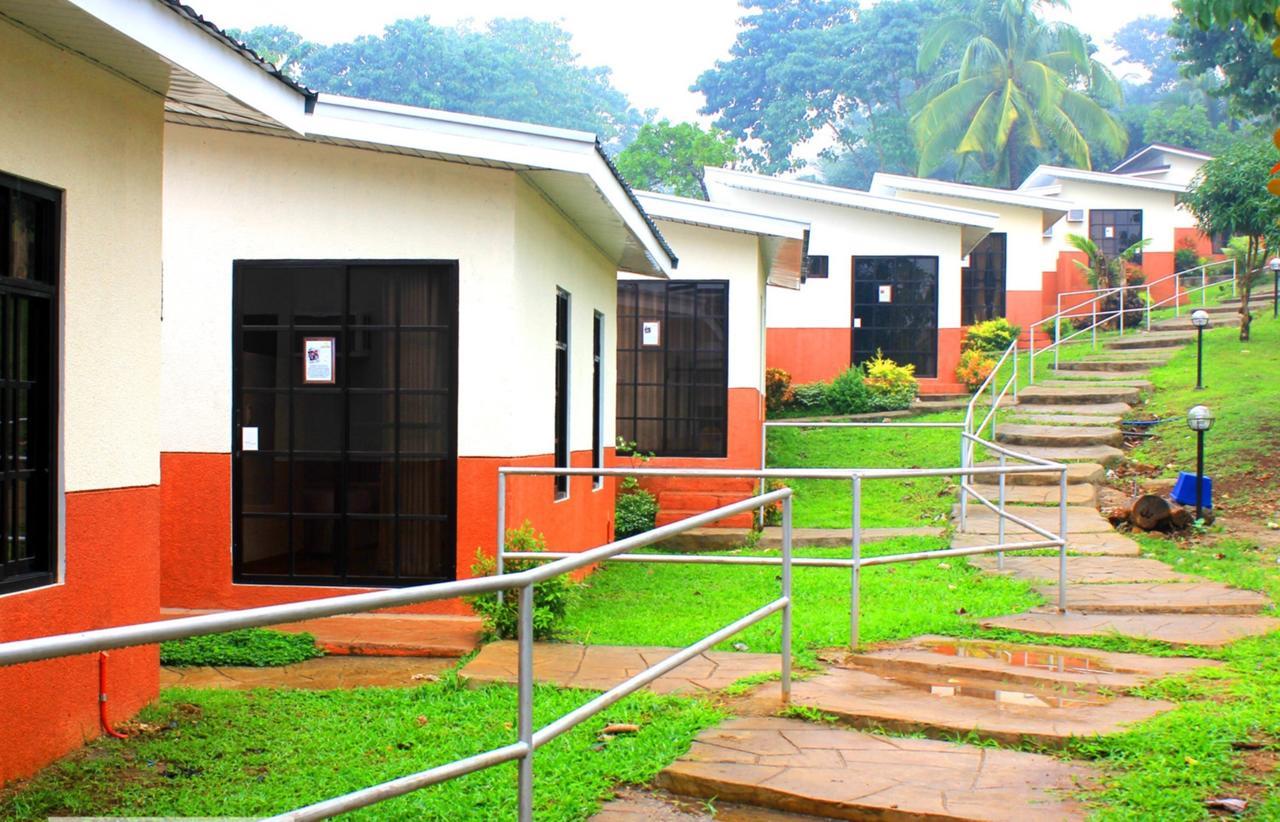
(656, 48)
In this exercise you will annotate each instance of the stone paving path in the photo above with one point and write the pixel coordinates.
(323, 674)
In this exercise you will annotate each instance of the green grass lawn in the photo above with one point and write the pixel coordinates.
(945, 596)
(885, 503)
(228, 753)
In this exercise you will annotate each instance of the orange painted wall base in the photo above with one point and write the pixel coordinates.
(808, 354)
(112, 578)
(196, 527)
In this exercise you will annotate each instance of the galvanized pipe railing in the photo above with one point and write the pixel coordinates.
(528, 739)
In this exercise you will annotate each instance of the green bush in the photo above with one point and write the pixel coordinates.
(251, 647)
(1067, 325)
(777, 389)
(1185, 258)
(550, 598)
(810, 396)
(848, 394)
(634, 513)
(992, 336)
(892, 387)
(974, 368)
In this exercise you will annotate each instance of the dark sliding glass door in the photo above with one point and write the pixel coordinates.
(895, 310)
(345, 451)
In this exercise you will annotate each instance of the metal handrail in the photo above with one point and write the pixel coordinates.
(149, 633)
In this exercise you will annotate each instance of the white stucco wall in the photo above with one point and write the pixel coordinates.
(73, 126)
(243, 197)
(842, 233)
(1160, 214)
(715, 254)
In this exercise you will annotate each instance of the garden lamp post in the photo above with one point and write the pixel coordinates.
(1200, 319)
(1200, 419)
(1274, 265)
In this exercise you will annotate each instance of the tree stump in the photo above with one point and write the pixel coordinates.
(1150, 513)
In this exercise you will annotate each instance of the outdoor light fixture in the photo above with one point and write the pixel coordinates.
(1274, 265)
(1200, 419)
(1200, 319)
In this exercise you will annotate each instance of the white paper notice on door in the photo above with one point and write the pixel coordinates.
(249, 438)
(886, 293)
(317, 360)
(651, 333)
(857, 322)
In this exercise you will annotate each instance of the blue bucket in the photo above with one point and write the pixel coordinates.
(1184, 490)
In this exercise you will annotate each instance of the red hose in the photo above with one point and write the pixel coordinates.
(102, 697)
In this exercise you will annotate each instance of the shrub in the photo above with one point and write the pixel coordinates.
(251, 647)
(992, 336)
(892, 386)
(810, 396)
(975, 366)
(1067, 324)
(634, 513)
(1185, 258)
(550, 598)
(777, 389)
(773, 513)
(848, 394)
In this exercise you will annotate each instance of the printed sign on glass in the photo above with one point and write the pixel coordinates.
(317, 360)
(886, 293)
(651, 333)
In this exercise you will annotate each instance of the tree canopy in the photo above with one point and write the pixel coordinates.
(515, 69)
(671, 158)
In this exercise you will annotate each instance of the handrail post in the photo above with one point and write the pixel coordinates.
(855, 577)
(1204, 285)
(1235, 279)
(498, 560)
(1177, 295)
(1000, 516)
(786, 592)
(525, 701)
(1015, 372)
(966, 456)
(1031, 359)
(1062, 535)
(1057, 338)
(1122, 313)
(1149, 306)
(1093, 322)
(764, 446)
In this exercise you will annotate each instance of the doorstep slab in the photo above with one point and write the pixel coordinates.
(790, 765)
(1077, 473)
(1212, 630)
(1104, 454)
(1058, 435)
(1041, 665)
(1093, 570)
(1101, 409)
(1079, 380)
(1081, 519)
(1103, 544)
(1063, 420)
(1079, 494)
(1005, 712)
(600, 667)
(1077, 395)
(323, 674)
(1160, 598)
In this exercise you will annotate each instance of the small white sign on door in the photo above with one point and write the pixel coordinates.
(886, 293)
(1109, 232)
(249, 438)
(651, 333)
(317, 360)
(857, 322)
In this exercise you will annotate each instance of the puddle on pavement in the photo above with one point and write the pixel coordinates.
(1017, 656)
(1002, 696)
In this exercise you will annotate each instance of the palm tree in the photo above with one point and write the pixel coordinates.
(1105, 272)
(1017, 85)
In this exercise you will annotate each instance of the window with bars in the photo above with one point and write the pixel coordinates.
(815, 267)
(982, 294)
(562, 392)
(673, 366)
(1115, 231)
(345, 475)
(30, 247)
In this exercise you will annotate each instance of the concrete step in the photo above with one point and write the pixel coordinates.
(1064, 419)
(1081, 519)
(1163, 353)
(1104, 454)
(929, 399)
(1108, 544)
(1215, 321)
(1134, 378)
(1161, 598)
(1154, 339)
(1086, 394)
(1211, 630)
(1101, 409)
(1058, 435)
(1091, 570)
(699, 540)
(1080, 494)
(1077, 473)
(949, 704)
(1081, 382)
(1112, 365)
(834, 773)
(667, 516)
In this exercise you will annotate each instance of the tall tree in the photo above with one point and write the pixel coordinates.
(671, 158)
(280, 46)
(1229, 195)
(1244, 71)
(1017, 86)
(520, 69)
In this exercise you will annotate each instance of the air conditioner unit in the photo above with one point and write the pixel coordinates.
(1075, 215)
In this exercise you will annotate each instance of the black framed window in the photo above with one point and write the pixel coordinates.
(815, 267)
(562, 391)
(597, 396)
(1116, 230)
(673, 366)
(895, 311)
(345, 458)
(30, 266)
(982, 282)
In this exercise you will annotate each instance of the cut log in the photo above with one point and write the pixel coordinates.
(1150, 513)
(1117, 514)
(1180, 518)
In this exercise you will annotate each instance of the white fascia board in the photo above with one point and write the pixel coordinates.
(181, 42)
(1163, 149)
(1041, 175)
(890, 184)
(518, 145)
(702, 213)
(849, 198)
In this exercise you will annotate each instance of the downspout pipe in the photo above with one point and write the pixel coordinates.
(102, 698)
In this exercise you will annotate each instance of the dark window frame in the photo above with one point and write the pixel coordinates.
(870, 324)
(984, 276)
(37, 475)
(630, 348)
(449, 270)
(563, 453)
(815, 267)
(1111, 247)
(597, 396)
